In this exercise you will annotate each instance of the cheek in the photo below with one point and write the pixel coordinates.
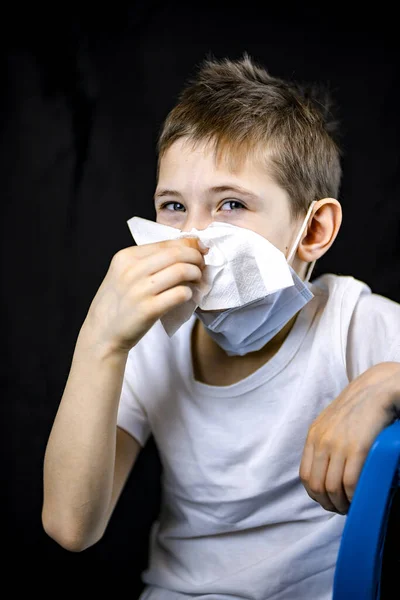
(170, 218)
(280, 237)
(283, 244)
(283, 236)
(277, 239)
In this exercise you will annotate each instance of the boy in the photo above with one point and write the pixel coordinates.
(261, 445)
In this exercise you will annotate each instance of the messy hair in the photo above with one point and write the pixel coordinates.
(244, 112)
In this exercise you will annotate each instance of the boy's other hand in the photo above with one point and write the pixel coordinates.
(340, 438)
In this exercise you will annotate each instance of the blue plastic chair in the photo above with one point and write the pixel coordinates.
(359, 564)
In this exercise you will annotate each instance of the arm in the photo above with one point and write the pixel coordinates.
(87, 458)
(83, 478)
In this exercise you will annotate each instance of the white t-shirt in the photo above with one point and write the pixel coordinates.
(236, 521)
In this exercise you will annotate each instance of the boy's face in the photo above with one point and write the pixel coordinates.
(192, 192)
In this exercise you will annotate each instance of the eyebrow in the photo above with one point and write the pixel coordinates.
(219, 189)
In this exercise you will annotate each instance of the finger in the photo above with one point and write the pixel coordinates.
(352, 472)
(162, 303)
(172, 256)
(162, 259)
(306, 462)
(316, 482)
(334, 484)
(189, 242)
(172, 276)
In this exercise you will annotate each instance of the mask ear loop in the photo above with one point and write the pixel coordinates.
(309, 271)
(297, 240)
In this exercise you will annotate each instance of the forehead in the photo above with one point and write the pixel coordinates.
(185, 159)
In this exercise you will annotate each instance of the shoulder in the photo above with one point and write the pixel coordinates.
(351, 291)
(337, 297)
(355, 302)
(335, 287)
(367, 323)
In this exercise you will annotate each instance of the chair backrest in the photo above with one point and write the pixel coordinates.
(359, 563)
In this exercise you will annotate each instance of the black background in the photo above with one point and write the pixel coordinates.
(83, 98)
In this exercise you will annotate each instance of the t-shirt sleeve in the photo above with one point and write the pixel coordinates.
(132, 415)
(374, 334)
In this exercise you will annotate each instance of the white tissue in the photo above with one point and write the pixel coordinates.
(241, 266)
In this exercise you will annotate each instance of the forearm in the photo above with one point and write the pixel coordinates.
(79, 458)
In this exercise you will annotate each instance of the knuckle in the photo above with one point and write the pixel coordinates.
(304, 475)
(311, 436)
(186, 271)
(196, 273)
(317, 489)
(324, 442)
(349, 483)
(181, 271)
(332, 489)
(183, 293)
(120, 260)
(305, 480)
(362, 449)
(175, 253)
(327, 444)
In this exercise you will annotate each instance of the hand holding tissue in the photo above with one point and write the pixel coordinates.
(242, 268)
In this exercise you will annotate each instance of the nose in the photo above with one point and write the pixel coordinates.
(197, 222)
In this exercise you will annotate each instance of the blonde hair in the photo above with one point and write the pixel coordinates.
(246, 113)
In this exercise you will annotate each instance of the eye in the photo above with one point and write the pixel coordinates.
(232, 205)
(173, 206)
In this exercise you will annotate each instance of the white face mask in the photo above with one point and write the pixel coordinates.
(250, 327)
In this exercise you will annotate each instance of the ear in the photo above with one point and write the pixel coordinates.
(323, 226)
